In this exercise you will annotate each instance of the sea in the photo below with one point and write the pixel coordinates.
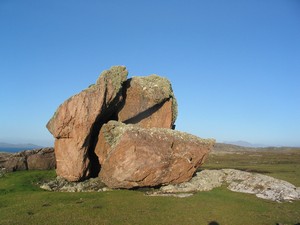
(13, 150)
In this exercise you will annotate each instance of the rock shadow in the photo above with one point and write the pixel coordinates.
(145, 114)
(111, 113)
(142, 115)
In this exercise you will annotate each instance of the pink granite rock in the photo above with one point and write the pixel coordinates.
(132, 156)
(77, 121)
(149, 102)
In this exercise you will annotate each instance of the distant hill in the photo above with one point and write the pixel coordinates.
(245, 144)
(222, 147)
(7, 147)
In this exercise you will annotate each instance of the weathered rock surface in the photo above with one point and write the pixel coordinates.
(3, 157)
(41, 159)
(15, 162)
(145, 153)
(262, 186)
(37, 159)
(149, 102)
(132, 156)
(62, 185)
(76, 123)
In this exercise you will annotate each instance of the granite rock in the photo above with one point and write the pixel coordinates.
(132, 156)
(262, 186)
(149, 102)
(36, 159)
(77, 121)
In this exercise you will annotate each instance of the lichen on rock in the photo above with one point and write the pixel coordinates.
(59, 184)
(262, 186)
(157, 88)
(117, 75)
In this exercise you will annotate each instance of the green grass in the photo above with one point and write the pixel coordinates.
(283, 165)
(22, 202)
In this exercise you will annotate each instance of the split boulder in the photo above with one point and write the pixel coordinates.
(120, 130)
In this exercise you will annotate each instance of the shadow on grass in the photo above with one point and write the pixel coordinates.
(213, 223)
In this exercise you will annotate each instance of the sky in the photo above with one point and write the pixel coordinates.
(234, 65)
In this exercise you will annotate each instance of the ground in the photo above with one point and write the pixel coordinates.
(22, 202)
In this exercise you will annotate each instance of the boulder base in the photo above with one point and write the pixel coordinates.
(132, 156)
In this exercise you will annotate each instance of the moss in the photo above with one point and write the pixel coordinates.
(116, 74)
(112, 132)
(174, 107)
(154, 87)
(159, 89)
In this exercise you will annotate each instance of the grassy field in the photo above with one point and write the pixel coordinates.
(283, 165)
(22, 202)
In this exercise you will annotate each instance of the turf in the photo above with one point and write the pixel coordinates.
(283, 165)
(22, 202)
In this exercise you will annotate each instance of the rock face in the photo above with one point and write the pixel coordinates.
(149, 102)
(15, 162)
(77, 121)
(43, 159)
(145, 153)
(262, 186)
(131, 156)
(37, 159)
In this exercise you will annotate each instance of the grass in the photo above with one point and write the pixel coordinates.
(283, 165)
(22, 202)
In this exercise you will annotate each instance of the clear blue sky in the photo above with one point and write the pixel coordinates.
(234, 64)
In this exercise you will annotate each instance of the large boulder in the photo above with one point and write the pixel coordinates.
(76, 123)
(149, 102)
(132, 156)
